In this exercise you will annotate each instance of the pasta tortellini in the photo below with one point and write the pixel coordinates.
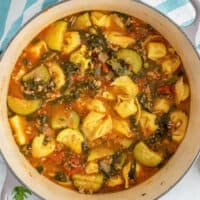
(148, 123)
(125, 84)
(96, 125)
(125, 106)
(179, 124)
(182, 90)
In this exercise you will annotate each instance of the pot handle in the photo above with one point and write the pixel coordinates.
(9, 184)
(191, 30)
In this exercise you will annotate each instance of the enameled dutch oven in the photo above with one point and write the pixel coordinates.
(177, 165)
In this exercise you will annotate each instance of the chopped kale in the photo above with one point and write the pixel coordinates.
(41, 120)
(26, 149)
(119, 67)
(61, 177)
(146, 101)
(127, 20)
(105, 166)
(25, 61)
(171, 80)
(95, 41)
(161, 132)
(34, 89)
(70, 68)
(132, 173)
(40, 169)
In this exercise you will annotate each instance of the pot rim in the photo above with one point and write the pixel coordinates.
(64, 2)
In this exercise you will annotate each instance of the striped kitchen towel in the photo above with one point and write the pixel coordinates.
(15, 13)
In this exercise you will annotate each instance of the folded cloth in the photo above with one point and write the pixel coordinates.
(15, 13)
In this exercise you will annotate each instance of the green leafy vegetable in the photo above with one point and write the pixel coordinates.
(20, 193)
(61, 177)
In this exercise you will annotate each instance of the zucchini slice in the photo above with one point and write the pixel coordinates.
(23, 106)
(132, 58)
(61, 119)
(18, 124)
(88, 183)
(71, 138)
(146, 156)
(39, 149)
(40, 73)
(57, 74)
(54, 35)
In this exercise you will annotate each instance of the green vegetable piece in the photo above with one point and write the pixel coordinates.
(41, 148)
(40, 169)
(88, 183)
(55, 35)
(38, 74)
(23, 106)
(59, 119)
(61, 177)
(119, 160)
(20, 193)
(146, 156)
(132, 58)
(71, 138)
(57, 74)
(99, 152)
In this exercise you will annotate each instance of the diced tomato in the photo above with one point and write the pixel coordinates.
(165, 89)
(56, 158)
(73, 164)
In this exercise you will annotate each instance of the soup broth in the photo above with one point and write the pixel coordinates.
(98, 101)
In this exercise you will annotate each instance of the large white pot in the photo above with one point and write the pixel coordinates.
(177, 165)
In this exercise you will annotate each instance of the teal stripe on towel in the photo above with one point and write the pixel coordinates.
(13, 30)
(29, 3)
(4, 7)
(48, 3)
(170, 5)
